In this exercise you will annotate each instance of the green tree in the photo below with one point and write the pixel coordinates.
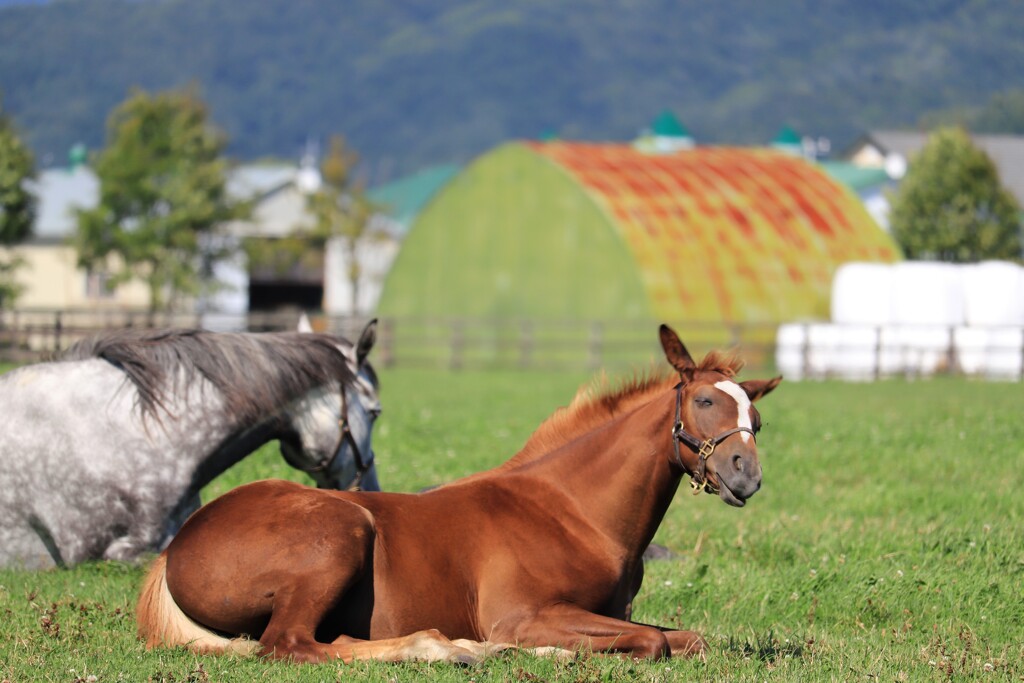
(1004, 113)
(162, 196)
(343, 211)
(17, 204)
(951, 205)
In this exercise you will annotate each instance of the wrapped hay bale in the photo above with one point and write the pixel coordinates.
(862, 294)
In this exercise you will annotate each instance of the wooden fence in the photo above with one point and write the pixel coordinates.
(452, 343)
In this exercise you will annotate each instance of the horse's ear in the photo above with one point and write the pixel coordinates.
(366, 341)
(304, 326)
(758, 388)
(677, 355)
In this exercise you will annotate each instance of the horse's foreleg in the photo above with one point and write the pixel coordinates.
(684, 643)
(569, 627)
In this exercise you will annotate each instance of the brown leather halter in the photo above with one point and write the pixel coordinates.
(704, 449)
(363, 464)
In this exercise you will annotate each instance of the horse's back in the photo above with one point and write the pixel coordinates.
(54, 418)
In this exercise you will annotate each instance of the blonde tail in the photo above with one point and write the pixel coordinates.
(162, 623)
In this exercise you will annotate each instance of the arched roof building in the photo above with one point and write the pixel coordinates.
(575, 231)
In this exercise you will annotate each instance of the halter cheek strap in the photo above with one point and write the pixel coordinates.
(363, 463)
(704, 449)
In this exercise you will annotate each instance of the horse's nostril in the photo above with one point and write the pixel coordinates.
(737, 462)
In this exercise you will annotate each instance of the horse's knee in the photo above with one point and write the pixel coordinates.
(125, 549)
(650, 644)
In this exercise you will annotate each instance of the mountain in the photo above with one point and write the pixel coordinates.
(417, 82)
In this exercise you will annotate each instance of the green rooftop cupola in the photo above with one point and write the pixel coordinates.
(667, 134)
(667, 125)
(789, 141)
(77, 156)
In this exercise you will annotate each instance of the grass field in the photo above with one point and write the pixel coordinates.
(887, 543)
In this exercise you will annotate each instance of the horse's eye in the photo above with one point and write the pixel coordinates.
(702, 402)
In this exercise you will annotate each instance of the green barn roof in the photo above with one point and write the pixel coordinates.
(405, 197)
(856, 177)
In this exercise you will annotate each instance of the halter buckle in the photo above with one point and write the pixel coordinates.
(707, 448)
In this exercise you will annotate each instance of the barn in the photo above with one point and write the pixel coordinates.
(559, 230)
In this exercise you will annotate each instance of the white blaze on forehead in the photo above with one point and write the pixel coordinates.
(742, 402)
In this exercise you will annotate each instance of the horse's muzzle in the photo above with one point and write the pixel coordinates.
(739, 477)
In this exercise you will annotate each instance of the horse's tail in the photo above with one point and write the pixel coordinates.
(162, 623)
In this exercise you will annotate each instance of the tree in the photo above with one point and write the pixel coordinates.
(162, 196)
(343, 211)
(17, 204)
(951, 205)
(1004, 113)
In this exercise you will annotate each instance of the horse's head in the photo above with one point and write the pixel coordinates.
(716, 423)
(333, 428)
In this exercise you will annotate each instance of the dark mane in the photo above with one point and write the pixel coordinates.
(256, 374)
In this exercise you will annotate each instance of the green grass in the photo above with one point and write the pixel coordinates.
(886, 544)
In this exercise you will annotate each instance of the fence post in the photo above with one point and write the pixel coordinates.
(595, 347)
(525, 343)
(58, 327)
(458, 341)
(805, 352)
(1021, 376)
(952, 359)
(387, 343)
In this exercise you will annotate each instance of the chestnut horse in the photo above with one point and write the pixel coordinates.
(542, 552)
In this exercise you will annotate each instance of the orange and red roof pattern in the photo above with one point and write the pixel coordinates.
(724, 233)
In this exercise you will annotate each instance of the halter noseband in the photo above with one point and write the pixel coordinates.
(704, 449)
(362, 464)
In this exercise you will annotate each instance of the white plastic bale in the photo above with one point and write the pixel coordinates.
(993, 294)
(855, 356)
(971, 344)
(990, 352)
(927, 293)
(915, 350)
(1005, 357)
(790, 343)
(823, 341)
(862, 294)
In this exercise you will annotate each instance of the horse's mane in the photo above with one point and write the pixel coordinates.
(256, 373)
(601, 400)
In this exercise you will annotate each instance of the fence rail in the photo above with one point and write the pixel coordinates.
(812, 351)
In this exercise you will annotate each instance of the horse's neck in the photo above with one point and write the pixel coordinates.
(203, 431)
(234, 447)
(540, 443)
(619, 475)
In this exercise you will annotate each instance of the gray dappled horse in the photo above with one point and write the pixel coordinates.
(104, 450)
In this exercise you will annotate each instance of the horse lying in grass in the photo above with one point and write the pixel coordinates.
(103, 452)
(543, 551)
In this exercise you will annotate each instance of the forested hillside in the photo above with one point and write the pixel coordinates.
(414, 82)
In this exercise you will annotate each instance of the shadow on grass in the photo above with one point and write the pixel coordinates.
(768, 648)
